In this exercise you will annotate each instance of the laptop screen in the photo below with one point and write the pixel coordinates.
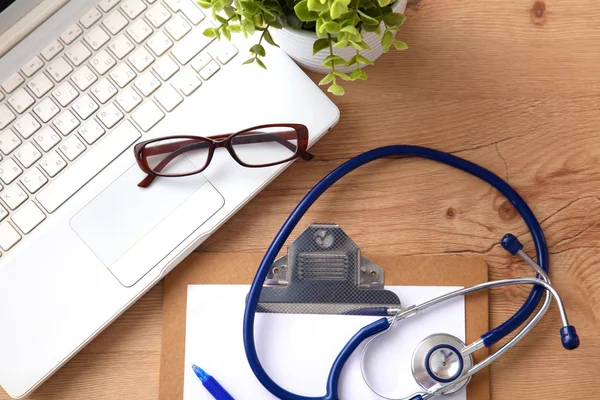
(12, 12)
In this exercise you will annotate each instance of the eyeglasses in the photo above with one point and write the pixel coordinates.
(260, 146)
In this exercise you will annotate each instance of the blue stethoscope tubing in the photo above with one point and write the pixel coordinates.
(489, 338)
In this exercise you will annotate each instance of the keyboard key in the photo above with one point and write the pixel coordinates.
(110, 115)
(6, 116)
(8, 236)
(46, 138)
(66, 122)
(14, 196)
(90, 164)
(78, 53)
(91, 131)
(90, 17)
(147, 83)
(159, 43)
(103, 90)
(33, 180)
(53, 163)
(27, 125)
(186, 81)
(84, 77)
(114, 22)
(200, 61)
(210, 69)
(128, 99)
(72, 148)
(165, 68)
(147, 115)
(122, 75)
(139, 31)
(3, 213)
(133, 8)
(9, 171)
(59, 69)
(27, 155)
(21, 100)
(85, 106)
(158, 15)
(141, 59)
(40, 85)
(102, 62)
(177, 27)
(32, 66)
(65, 94)
(46, 109)
(168, 97)
(28, 217)
(121, 46)
(107, 5)
(71, 34)
(190, 45)
(52, 50)
(96, 38)
(224, 52)
(13, 82)
(189, 9)
(9, 141)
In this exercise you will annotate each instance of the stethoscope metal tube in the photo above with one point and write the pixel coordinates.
(569, 336)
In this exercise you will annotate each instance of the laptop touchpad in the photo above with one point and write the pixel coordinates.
(131, 229)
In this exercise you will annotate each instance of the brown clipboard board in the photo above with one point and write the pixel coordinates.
(239, 268)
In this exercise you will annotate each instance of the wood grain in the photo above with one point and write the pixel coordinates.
(512, 85)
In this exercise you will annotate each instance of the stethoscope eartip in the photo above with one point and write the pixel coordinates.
(511, 243)
(569, 337)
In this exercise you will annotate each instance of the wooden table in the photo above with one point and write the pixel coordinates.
(512, 85)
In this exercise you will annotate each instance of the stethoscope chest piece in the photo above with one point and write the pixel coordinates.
(437, 360)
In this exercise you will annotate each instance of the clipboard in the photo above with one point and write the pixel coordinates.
(239, 268)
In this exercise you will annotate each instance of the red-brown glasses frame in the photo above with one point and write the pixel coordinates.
(214, 142)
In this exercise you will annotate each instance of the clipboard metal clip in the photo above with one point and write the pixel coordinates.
(324, 273)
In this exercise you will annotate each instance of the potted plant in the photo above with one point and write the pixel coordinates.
(337, 37)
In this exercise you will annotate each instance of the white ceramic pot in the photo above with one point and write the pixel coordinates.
(298, 44)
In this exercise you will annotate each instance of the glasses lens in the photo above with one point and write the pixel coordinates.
(176, 156)
(264, 146)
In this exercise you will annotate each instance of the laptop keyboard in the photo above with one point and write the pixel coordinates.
(88, 96)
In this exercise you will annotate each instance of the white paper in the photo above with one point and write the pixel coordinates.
(297, 350)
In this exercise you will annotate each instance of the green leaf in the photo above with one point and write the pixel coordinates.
(204, 4)
(341, 75)
(333, 60)
(363, 75)
(235, 28)
(292, 20)
(319, 27)
(351, 61)
(336, 90)
(328, 78)
(370, 28)
(258, 49)
(211, 32)
(386, 40)
(341, 44)
(303, 13)
(229, 11)
(383, 3)
(394, 19)
(226, 32)
(316, 5)
(351, 30)
(269, 38)
(221, 19)
(360, 45)
(368, 20)
(355, 74)
(331, 27)
(262, 64)
(249, 61)
(320, 45)
(337, 9)
(250, 6)
(363, 60)
(399, 45)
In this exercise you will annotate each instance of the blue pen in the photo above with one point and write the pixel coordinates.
(211, 384)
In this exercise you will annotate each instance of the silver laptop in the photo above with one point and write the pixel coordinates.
(81, 82)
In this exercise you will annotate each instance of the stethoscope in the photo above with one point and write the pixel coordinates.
(441, 363)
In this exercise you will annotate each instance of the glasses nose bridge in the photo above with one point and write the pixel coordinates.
(219, 142)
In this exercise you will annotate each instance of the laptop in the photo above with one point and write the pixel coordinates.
(80, 83)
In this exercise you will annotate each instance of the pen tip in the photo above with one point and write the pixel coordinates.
(200, 373)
